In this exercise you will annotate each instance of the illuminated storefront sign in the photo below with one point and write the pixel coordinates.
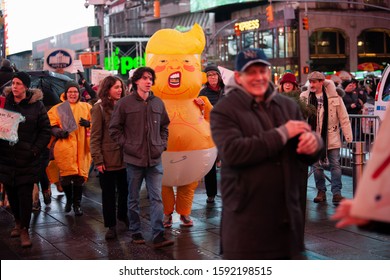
(248, 25)
(122, 64)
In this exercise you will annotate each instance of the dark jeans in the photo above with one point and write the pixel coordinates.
(210, 181)
(114, 188)
(43, 179)
(20, 200)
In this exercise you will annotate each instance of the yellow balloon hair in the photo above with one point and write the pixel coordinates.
(171, 41)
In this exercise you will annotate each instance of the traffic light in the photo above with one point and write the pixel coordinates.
(237, 29)
(156, 6)
(269, 11)
(306, 70)
(305, 23)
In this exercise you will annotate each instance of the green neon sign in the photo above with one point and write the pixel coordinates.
(123, 64)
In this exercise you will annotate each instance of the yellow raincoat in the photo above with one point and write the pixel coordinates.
(72, 155)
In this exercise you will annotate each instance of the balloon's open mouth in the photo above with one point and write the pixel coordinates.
(174, 80)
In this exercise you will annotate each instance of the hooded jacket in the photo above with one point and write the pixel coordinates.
(20, 163)
(260, 177)
(337, 114)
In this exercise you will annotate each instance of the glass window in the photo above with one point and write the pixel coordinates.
(266, 43)
(372, 42)
(248, 40)
(327, 42)
(291, 42)
(281, 43)
(386, 92)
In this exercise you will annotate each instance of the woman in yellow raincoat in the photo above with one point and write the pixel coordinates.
(70, 122)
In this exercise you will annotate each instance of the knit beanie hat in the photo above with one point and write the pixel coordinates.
(70, 84)
(212, 68)
(24, 77)
(289, 78)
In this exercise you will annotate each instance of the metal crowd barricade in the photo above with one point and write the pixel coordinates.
(364, 128)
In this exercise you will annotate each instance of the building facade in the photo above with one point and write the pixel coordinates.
(303, 36)
(341, 35)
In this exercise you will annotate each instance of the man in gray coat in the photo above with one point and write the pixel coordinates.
(261, 137)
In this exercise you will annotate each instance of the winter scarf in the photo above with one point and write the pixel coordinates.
(312, 120)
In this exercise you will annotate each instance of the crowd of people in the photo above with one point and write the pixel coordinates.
(267, 137)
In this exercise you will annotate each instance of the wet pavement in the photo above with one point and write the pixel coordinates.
(57, 235)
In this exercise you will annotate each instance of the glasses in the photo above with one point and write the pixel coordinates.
(212, 75)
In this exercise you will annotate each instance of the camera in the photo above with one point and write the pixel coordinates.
(86, 4)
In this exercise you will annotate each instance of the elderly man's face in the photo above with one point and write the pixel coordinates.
(255, 79)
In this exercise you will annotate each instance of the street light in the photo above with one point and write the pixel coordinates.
(99, 9)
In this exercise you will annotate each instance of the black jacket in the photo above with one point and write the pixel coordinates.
(20, 163)
(212, 95)
(352, 98)
(260, 175)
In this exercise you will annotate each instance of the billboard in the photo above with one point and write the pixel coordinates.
(197, 5)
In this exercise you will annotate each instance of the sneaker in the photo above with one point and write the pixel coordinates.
(337, 198)
(167, 222)
(47, 197)
(321, 197)
(138, 238)
(160, 241)
(77, 211)
(111, 233)
(186, 221)
(210, 199)
(36, 205)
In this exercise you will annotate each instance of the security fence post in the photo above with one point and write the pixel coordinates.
(358, 162)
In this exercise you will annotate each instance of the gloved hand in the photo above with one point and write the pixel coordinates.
(80, 74)
(84, 122)
(59, 133)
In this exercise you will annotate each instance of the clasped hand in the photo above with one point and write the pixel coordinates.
(84, 122)
(307, 141)
(62, 134)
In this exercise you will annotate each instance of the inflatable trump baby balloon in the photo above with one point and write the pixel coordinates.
(176, 59)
